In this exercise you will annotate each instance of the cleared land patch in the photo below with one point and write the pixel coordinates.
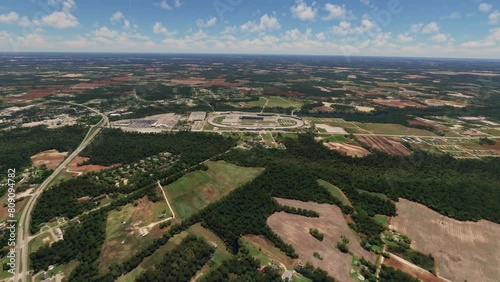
(294, 229)
(411, 269)
(123, 235)
(264, 251)
(393, 129)
(74, 166)
(197, 189)
(50, 158)
(462, 250)
(348, 149)
(385, 144)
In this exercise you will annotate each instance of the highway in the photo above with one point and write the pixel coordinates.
(23, 227)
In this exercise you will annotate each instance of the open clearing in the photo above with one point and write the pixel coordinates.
(348, 149)
(411, 269)
(50, 158)
(335, 191)
(294, 230)
(274, 102)
(385, 144)
(462, 250)
(123, 238)
(73, 166)
(393, 129)
(265, 251)
(197, 189)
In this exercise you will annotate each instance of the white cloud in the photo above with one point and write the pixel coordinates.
(440, 37)
(160, 29)
(494, 18)
(334, 11)
(491, 40)
(106, 32)
(485, 7)
(208, 23)
(405, 37)
(118, 16)
(164, 5)
(321, 36)
(345, 27)
(266, 23)
(10, 18)
(415, 28)
(304, 12)
(61, 19)
(432, 27)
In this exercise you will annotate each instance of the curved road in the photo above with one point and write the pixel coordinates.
(22, 243)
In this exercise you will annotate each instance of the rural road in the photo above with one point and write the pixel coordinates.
(23, 228)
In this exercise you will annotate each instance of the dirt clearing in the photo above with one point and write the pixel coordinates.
(294, 229)
(50, 158)
(462, 250)
(411, 269)
(348, 149)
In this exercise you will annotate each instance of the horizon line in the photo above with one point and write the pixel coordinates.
(245, 54)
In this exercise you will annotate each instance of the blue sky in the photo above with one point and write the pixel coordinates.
(428, 28)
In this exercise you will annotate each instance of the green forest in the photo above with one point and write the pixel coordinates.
(19, 144)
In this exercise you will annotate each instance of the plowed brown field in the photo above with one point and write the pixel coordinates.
(462, 250)
(294, 230)
(385, 144)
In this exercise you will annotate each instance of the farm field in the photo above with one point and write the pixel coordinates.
(462, 250)
(385, 144)
(120, 243)
(335, 191)
(274, 102)
(51, 158)
(197, 189)
(294, 230)
(393, 129)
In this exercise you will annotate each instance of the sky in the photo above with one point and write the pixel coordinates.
(414, 28)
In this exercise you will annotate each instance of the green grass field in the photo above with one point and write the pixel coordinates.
(380, 195)
(120, 244)
(334, 138)
(275, 102)
(491, 131)
(381, 219)
(197, 189)
(268, 139)
(393, 129)
(335, 191)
